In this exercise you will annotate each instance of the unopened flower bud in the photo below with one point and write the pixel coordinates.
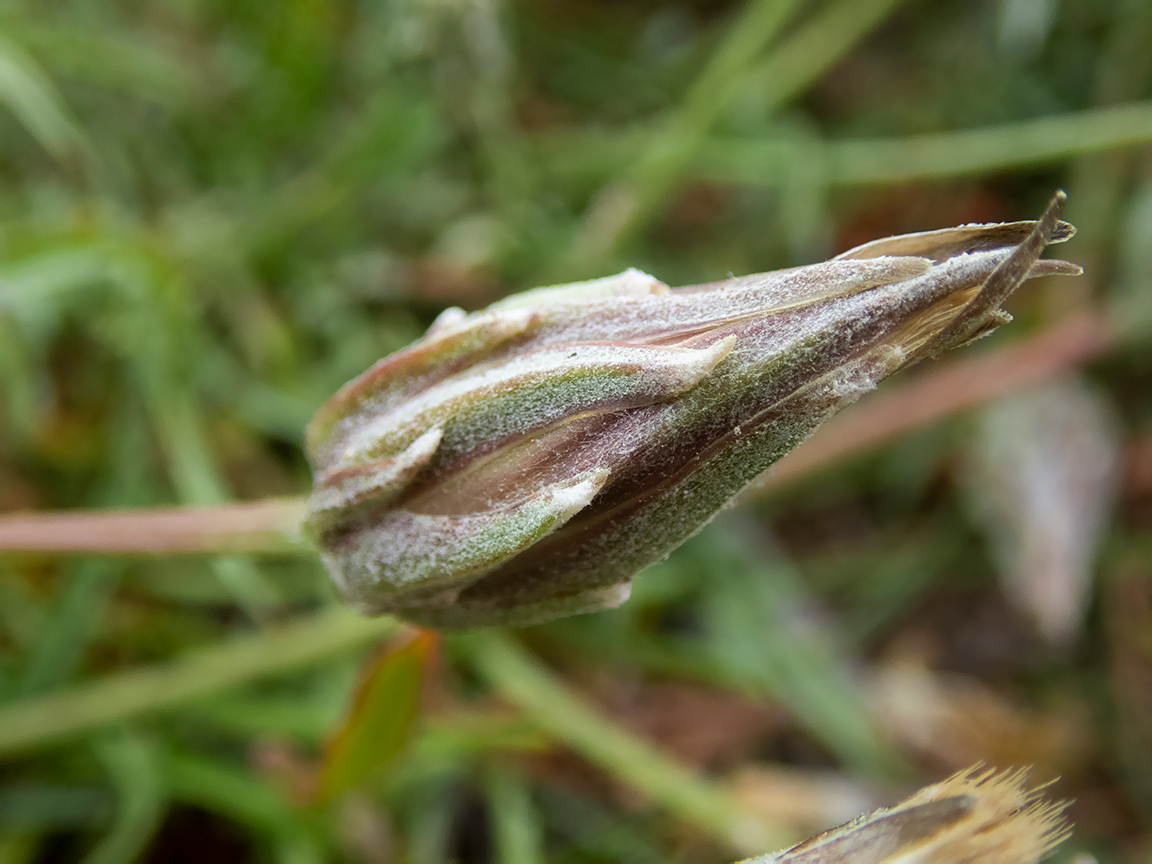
(521, 463)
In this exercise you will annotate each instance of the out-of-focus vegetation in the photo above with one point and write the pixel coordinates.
(213, 214)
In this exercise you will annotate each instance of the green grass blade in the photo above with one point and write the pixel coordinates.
(518, 678)
(197, 673)
(133, 767)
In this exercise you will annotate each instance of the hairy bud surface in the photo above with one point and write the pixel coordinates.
(523, 462)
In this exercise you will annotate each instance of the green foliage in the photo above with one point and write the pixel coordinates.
(213, 214)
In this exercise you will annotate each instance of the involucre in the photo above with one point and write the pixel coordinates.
(523, 462)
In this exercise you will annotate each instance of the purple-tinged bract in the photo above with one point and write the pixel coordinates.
(523, 462)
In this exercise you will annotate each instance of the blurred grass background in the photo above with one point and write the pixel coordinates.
(212, 214)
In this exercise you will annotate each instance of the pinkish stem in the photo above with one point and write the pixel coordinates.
(270, 525)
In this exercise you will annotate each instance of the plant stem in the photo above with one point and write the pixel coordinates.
(620, 209)
(267, 526)
(965, 152)
(68, 713)
(563, 714)
(625, 206)
(771, 161)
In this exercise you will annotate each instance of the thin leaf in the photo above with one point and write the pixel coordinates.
(132, 764)
(515, 821)
(30, 94)
(382, 716)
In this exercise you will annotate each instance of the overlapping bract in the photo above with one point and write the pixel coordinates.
(522, 462)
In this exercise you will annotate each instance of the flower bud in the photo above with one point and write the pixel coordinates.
(521, 463)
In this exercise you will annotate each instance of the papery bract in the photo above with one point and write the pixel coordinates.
(522, 462)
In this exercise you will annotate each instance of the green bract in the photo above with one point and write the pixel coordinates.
(521, 463)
